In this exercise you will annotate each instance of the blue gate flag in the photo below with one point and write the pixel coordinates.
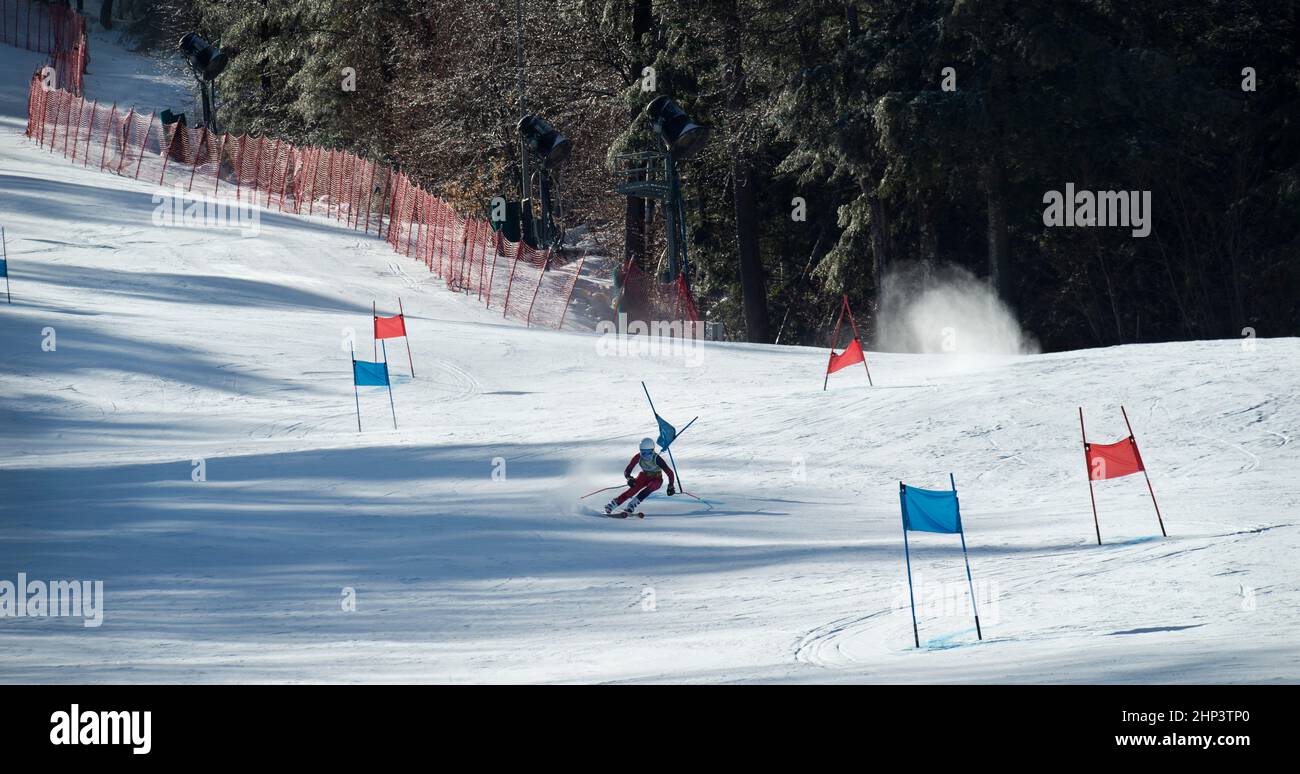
(929, 510)
(4, 268)
(932, 510)
(667, 433)
(366, 374)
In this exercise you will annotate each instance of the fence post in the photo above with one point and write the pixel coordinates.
(103, 151)
(284, 182)
(51, 96)
(335, 184)
(434, 206)
(44, 111)
(429, 218)
(257, 170)
(58, 113)
(546, 262)
(259, 144)
(293, 183)
(45, 101)
(383, 204)
(564, 310)
(427, 212)
(81, 108)
(345, 188)
(239, 168)
(417, 224)
(126, 135)
(445, 263)
(80, 64)
(495, 241)
(414, 201)
(300, 181)
(216, 169)
(45, 107)
(354, 192)
(237, 164)
(284, 175)
(462, 280)
(167, 152)
(311, 189)
(510, 283)
(401, 198)
(394, 221)
(32, 91)
(485, 238)
(370, 191)
(90, 133)
(143, 142)
(342, 196)
(203, 143)
(270, 178)
(65, 117)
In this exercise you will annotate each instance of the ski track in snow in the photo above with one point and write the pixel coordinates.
(176, 345)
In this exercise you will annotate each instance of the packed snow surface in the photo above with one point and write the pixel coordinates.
(137, 358)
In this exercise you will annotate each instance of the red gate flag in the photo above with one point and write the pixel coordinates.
(1112, 460)
(390, 327)
(851, 355)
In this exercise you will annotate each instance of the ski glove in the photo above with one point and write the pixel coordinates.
(671, 491)
(630, 481)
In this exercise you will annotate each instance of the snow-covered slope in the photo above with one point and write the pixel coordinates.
(177, 345)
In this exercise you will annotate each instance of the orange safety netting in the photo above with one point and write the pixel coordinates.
(56, 30)
(526, 284)
(647, 300)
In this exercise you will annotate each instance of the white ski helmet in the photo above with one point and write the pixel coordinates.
(647, 446)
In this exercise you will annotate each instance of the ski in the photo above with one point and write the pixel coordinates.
(617, 515)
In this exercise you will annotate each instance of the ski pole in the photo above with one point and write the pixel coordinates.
(707, 504)
(606, 489)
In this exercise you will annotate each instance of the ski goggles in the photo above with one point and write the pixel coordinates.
(647, 452)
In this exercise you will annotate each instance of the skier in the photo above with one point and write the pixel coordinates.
(648, 480)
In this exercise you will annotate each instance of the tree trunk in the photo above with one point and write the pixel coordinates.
(634, 226)
(106, 14)
(879, 243)
(753, 285)
(999, 260)
(634, 229)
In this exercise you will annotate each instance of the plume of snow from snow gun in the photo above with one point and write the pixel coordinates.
(946, 310)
